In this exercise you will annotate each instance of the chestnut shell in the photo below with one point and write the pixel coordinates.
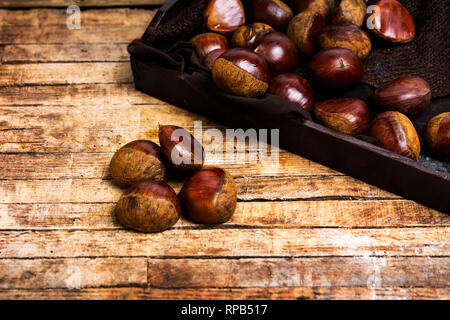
(407, 94)
(136, 161)
(346, 115)
(207, 42)
(275, 13)
(396, 133)
(149, 206)
(437, 135)
(323, 7)
(241, 72)
(335, 69)
(178, 142)
(224, 16)
(280, 53)
(350, 12)
(392, 22)
(248, 37)
(209, 196)
(348, 37)
(293, 88)
(303, 29)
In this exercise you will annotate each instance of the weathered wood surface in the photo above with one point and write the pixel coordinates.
(301, 230)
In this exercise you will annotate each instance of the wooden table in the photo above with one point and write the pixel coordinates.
(301, 231)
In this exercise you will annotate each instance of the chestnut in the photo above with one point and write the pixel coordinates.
(437, 135)
(136, 161)
(303, 29)
(207, 42)
(182, 151)
(275, 13)
(224, 16)
(211, 58)
(408, 94)
(280, 53)
(241, 72)
(335, 69)
(350, 12)
(149, 206)
(347, 37)
(323, 7)
(391, 21)
(396, 133)
(293, 88)
(209, 196)
(248, 36)
(346, 115)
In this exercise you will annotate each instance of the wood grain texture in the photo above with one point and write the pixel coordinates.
(223, 242)
(72, 273)
(277, 214)
(249, 189)
(300, 231)
(372, 272)
(302, 293)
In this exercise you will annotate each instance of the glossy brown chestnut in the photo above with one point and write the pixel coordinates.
(303, 30)
(392, 22)
(345, 115)
(207, 42)
(437, 135)
(149, 206)
(136, 161)
(242, 72)
(211, 58)
(248, 36)
(275, 13)
(280, 53)
(293, 88)
(350, 12)
(224, 16)
(209, 196)
(407, 94)
(183, 152)
(396, 133)
(323, 7)
(335, 69)
(348, 37)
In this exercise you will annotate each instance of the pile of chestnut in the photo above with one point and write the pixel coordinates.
(150, 204)
(263, 55)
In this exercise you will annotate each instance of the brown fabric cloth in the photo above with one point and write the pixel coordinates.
(427, 56)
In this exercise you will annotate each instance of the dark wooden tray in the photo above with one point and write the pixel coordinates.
(362, 160)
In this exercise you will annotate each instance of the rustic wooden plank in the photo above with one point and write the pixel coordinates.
(84, 3)
(93, 18)
(288, 243)
(41, 166)
(324, 293)
(45, 53)
(65, 73)
(60, 35)
(371, 272)
(141, 117)
(72, 273)
(95, 95)
(292, 214)
(249, 189)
